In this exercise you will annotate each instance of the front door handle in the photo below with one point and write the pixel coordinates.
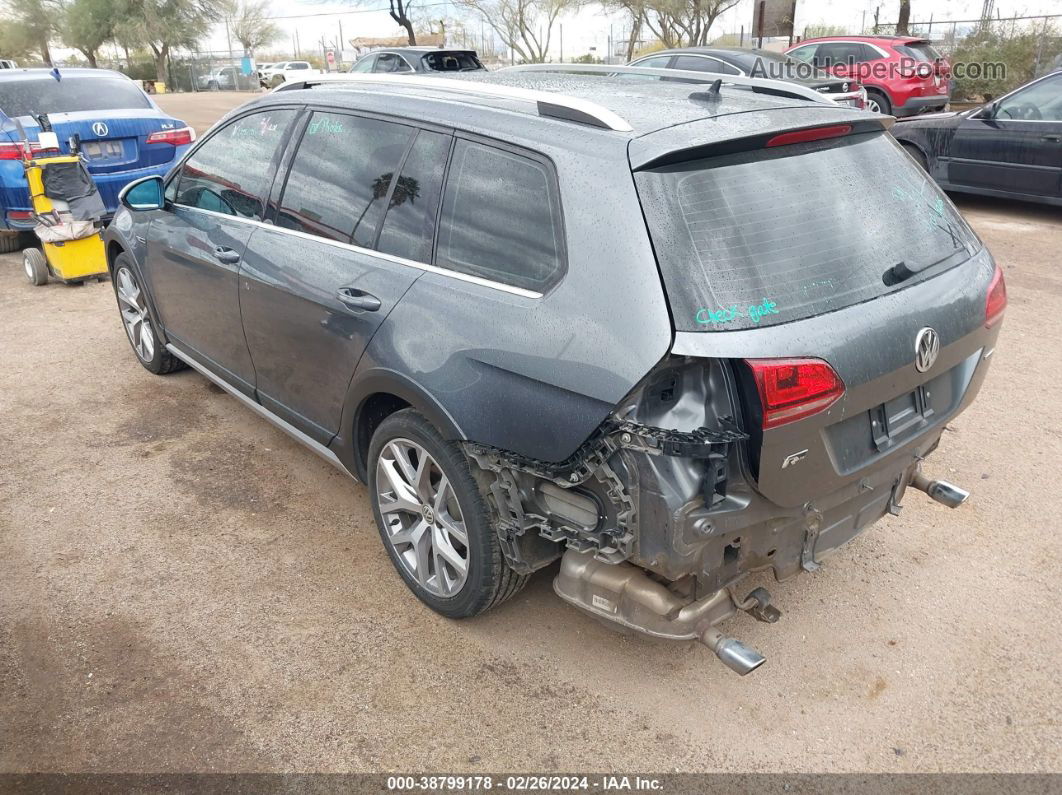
(358, 299)
(1053, 138)
(227, 255)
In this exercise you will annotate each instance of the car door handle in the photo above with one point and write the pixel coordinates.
(227, 255)
(1053, 138)
(358, 299)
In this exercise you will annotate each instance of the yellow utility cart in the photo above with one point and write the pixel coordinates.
(67, 208)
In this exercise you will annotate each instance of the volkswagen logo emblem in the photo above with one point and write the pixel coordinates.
(927, 346)
(99, 128)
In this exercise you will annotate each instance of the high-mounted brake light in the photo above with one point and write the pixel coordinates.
(996, 302)
(18, 150)
(178, 137)
(792, 389)
(814, 134)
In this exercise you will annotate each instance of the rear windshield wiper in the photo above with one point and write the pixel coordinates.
(901, 271)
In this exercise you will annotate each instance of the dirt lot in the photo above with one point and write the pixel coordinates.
(183, 588)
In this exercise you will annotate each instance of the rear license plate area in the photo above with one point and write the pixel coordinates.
(102, 150)
(901, 418)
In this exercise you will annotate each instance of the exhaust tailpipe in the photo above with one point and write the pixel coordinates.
(940, 490)
(734, 654)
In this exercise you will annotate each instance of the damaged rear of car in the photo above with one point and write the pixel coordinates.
(831, 312)
(668, 337)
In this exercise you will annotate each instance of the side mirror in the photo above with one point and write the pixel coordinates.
(143, 194)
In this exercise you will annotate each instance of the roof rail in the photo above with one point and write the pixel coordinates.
(778, 87)
(548, 103)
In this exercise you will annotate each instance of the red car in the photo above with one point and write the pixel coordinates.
(903, 75)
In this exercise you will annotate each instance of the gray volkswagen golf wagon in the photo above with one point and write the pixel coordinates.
(669, 334)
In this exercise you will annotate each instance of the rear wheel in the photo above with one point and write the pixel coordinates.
(36, 266)
(433, 520)
(877, 102)
(139, 328)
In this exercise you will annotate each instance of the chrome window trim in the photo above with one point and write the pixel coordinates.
(423, 266)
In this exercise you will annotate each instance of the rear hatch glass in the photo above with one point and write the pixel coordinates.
(69, 95)
(777, 235)
(920, 51)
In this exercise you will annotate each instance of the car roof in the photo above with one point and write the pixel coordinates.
(867, 39)
(645, 106)
(422, 49)
(42, 73)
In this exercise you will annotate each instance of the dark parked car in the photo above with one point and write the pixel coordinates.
(757, 63)
(1009, 147)
(418, 59)
(640, 328)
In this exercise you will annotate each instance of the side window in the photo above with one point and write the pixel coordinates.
(232, 171)
(867, 53)
(365, 64)
(409, 225)
(500, 218)
(1041, 101)
(697, 64)
(389, 62)
(655, 62)
(806, 53)
(341, 175)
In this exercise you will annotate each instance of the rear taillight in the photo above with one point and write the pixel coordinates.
(996, 302)
(20, 215)
(179, 137)
(792, 389)
(813, 134)
(18, 150)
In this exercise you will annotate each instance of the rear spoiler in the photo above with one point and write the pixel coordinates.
(744, 132)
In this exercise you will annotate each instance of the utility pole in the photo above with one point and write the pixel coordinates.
(298, 48)
(339, 55)
(562, 42)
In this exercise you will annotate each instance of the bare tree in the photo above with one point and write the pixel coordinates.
(679, 23)
(525, 26)
(250, 24)
(903, 24)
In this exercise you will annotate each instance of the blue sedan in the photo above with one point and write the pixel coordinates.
(124, 134)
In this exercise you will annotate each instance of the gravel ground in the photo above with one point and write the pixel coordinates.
(183, 588)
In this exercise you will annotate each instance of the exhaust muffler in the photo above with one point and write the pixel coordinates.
(940, 490)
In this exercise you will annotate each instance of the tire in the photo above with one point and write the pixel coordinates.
(36, 266)
(916, 153)
(136, 320)
(10, 241)
(878, 98)
(488, 580)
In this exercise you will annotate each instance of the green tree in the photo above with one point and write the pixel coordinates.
(166, 25)
(88, 24)
(249, 23)
(32, 27)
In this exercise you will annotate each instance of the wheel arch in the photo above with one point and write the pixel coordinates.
(374, 396)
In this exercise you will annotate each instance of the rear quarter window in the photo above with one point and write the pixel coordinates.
(501, 218)
(772, 236)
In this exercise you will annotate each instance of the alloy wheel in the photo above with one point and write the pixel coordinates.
(422, 518)
(135, 318)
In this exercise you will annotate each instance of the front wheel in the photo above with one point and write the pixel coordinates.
(136, 318)
(433, 520)
(36, 266)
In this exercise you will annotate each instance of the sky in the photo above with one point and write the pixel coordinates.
(591, 27)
